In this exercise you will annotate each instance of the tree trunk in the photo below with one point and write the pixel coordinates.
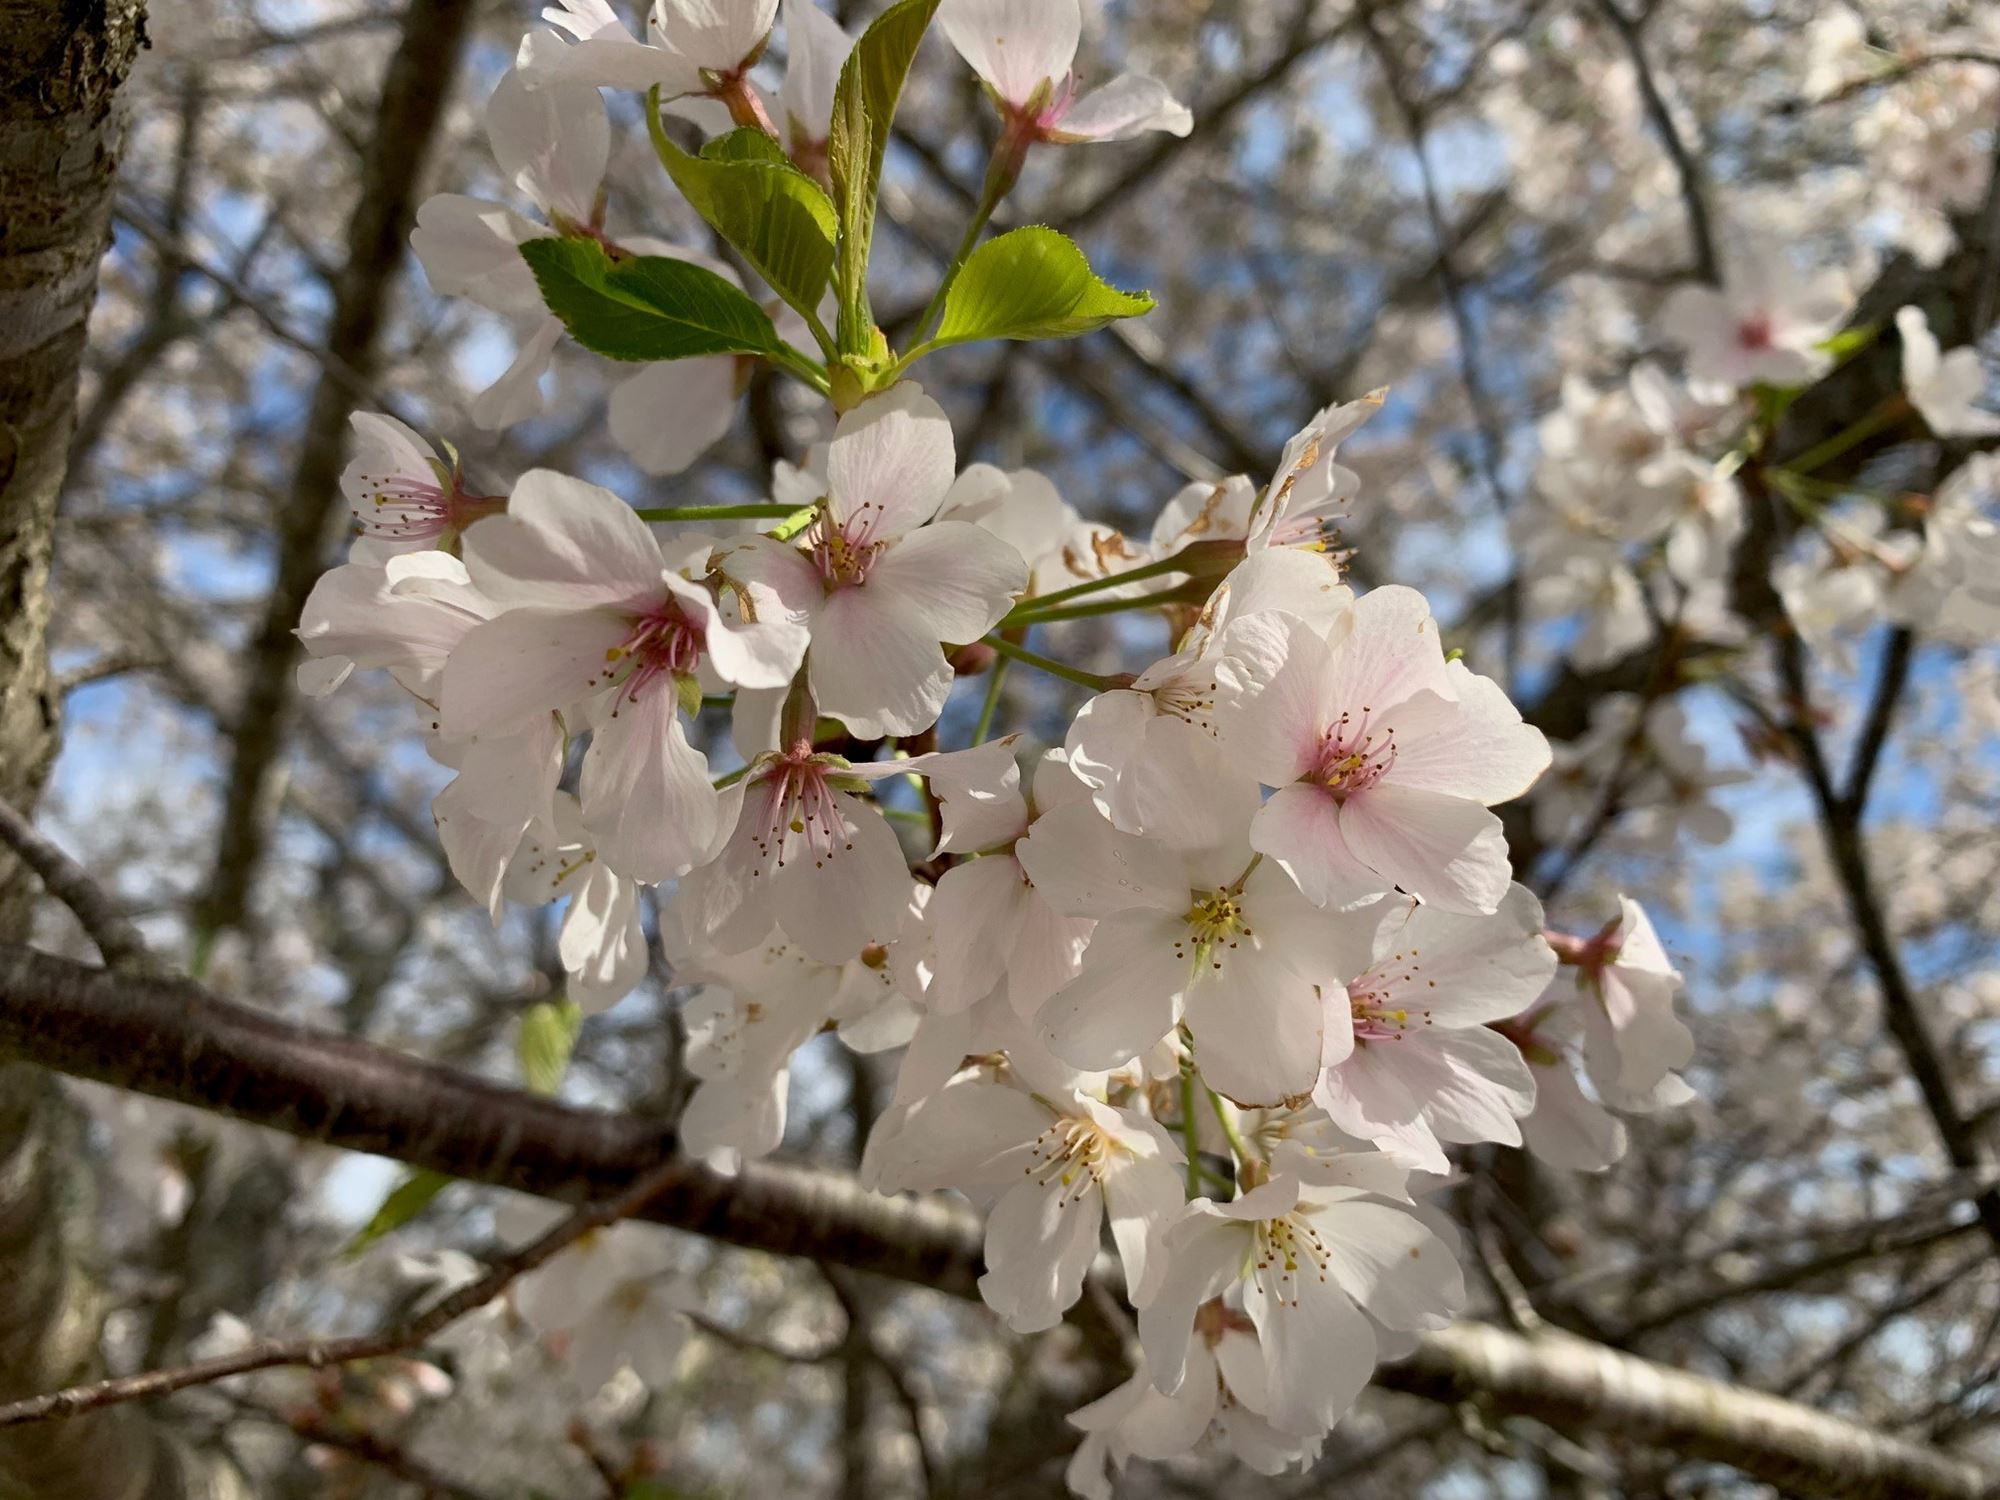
(61, 66)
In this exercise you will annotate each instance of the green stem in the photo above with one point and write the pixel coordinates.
(1042, 602)
(1238, 1147)
(1190, 1134)
(732, 778)
(793, 363)
(1054, 668)
(1009, 152)
(991, 702)
(1888, 414)
(1023, 615)
(714, 512)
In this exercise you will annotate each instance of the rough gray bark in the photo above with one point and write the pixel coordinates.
(170, 1038)
(62, 63)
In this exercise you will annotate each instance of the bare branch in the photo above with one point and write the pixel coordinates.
(320, 1354)
(66, 880)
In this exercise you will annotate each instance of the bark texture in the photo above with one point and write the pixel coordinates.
(62, 63)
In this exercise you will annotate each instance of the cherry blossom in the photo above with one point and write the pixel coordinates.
(594, 615)
(1318, 1269)
(1423, 1068)
(1023, 51)
(1762, 325)
(878, 588)
(402, 494)
(1192, 927)
(1386, 758)
(1052, 1165)
(1945, 388)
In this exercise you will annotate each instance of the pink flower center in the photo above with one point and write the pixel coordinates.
(411, 507)
(1351, 757)
(798, 815)
(1754, 333)
(846, 553)
(1380, 999)
(664, 642)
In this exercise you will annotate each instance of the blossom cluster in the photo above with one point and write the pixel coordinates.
(1229, 968)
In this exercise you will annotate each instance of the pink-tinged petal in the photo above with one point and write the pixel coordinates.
(1476, 748)
(816, 48)
(890, 463)
(876, 666)
(1567, 1129)
(1487, 1089)
(619, 62)
(1047, 952)
(1128, 105)
(1193, 797)
(1104, 735)
(772, 579)
(1142, 1198)
(975, 914)
(729, 1121)
(835, 906)
(1300, 828)
(564, 544)
(1288, 581)
(762, 655)
(1127, 996)
(471, 248)
(718, 35)
(1204, 1253)
(1256, 1028)
(1390, 652)
(477, 848)
(517, 394)
(979, 791)
(1083, 867)
(669, 414)
(527, 662)
(1323, 946)
(1448, 851)
(551, 141)
(1391, 1262)
(1280, 718)
(1457, 970)
(1015, 45)
(1040, 1242)
(971, 1132)
(1319, 1351)
(960, 578)
(647, 798)
(1379, 1094)
(601, 944)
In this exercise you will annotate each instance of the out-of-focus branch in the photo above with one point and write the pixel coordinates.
(415, 89)
(1687, 165)
(320, 1354)
(116, 938)
(171, 1039)
(1840, 820)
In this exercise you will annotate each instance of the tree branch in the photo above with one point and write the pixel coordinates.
(320, 1354)
(171, 1039)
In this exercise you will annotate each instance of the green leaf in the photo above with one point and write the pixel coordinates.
(864, 104)
(548, 1035)
(406, 1200)
(1031, 283)
(650, 307)
(750, 194)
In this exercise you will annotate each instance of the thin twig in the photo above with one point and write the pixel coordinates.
(318, 1354)
(66, 880)
(312, 1426)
